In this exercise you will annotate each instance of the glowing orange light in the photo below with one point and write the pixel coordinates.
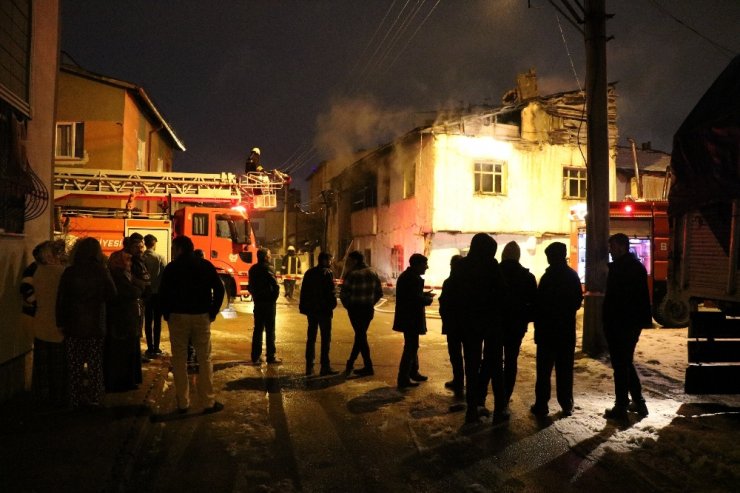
(628, 208)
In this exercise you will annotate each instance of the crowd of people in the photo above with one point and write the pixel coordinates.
(486, 308)
(90, 313)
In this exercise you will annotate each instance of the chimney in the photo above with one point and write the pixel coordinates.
(526, 85)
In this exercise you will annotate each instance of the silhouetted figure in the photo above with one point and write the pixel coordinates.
(626, 311)
(559, 296)
(317, 302)
(155, 264)
(191, 294)
(85, 287)
(360, 291)
(122, 360)
(290, 269)
(478, 290)
(410, 319)
(452, 329)
(253, 161)
(265, 291)
(49, 378)
(519, 310)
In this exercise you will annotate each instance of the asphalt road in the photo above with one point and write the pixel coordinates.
(282, 431)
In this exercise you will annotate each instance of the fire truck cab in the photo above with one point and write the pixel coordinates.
(226, 238)
(646, 224)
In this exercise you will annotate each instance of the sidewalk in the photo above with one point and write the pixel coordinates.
(81, 450)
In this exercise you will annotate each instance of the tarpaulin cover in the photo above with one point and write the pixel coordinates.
(706, 148)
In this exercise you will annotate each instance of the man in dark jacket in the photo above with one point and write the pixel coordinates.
(317, 302)
(451, 328)
(478, 288)
(410, 319)
(519, 310)
(360, 291)
(559, 297)
(191, 293)
(626, 311)
(265, 291)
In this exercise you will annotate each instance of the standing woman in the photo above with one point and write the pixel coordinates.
(49, 381)
(84, 289)
(122, 362)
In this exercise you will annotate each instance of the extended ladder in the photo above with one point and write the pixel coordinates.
(259, 188)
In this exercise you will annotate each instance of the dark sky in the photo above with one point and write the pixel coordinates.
(308, 80)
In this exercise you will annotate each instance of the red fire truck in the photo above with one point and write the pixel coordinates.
(219, 225)
(646, 224)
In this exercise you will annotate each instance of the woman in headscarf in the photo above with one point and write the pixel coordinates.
(85, 287)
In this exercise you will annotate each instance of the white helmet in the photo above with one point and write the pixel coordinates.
(256, 150)
(291, 248)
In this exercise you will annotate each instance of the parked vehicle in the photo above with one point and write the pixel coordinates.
(704, 205)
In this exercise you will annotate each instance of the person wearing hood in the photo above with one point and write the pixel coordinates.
(559, 296)
(478, 289)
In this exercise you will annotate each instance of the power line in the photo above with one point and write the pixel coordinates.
(720, 47)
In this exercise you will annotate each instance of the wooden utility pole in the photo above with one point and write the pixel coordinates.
(285, 221)
(597, 217)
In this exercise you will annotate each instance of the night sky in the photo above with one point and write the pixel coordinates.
(314, 79)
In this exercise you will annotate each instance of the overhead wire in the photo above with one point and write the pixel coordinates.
(727, 51)
(385, 48)
(408, 41)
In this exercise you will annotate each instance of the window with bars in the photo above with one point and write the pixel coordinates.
(574, 183)
(489, 177)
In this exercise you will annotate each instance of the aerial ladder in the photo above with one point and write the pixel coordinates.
(258, 189)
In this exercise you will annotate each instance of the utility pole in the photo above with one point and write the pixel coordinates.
(597, 217)
(285, 221)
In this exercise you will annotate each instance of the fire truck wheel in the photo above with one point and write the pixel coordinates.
(670, 312)
(229, 288)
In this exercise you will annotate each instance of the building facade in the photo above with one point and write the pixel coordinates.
(514, 172)
(106, 123)
(28, 78)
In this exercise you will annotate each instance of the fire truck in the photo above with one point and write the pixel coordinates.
(646, 224)
(212, 209)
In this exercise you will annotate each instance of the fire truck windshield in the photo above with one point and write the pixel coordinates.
(234, 227)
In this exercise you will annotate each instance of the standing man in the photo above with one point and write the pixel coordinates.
(410, 319)
(317, 303)
(154, 263)
(559, 297)
(265, 291)
(360, 291)
(478, 288)
(451, 328)
(290, 268)
(191, 294)
(626, 312)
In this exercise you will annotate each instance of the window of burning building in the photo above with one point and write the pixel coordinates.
(365, 197)
(574, 183)
(489, 177)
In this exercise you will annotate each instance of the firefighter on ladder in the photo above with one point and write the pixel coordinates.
(290, 270)
(253, 161)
